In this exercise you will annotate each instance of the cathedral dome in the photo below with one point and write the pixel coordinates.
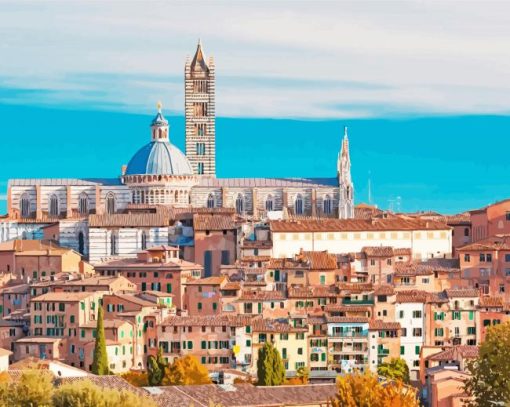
(159, 157)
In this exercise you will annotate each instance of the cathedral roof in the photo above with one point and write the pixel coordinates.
(198, 63)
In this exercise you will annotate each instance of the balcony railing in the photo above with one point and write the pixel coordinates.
(348, 301)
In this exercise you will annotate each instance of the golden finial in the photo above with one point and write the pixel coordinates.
(159, 105)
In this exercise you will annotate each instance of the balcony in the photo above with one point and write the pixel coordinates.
(348, 301)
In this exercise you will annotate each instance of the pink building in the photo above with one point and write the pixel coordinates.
(491, 220)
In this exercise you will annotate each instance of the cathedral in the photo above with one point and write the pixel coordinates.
(93, 216)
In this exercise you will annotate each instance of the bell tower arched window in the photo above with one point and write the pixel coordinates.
(239, 204)
(53, 205)
(25, 205)
(298, 205)
(83, 204)
(210, 201)
(110, 203)
(114, 243)
(327, 205)
(269, 203)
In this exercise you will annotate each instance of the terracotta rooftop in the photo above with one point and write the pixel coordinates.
(497, 242)
(462, 293)
(262, 295)
(246, 395)
(347, 320)
(256, 244)
(274, 326)
(64, 296)
(355, 287)
(412, 296)
(384, 290)
(456, 353)
(208, 320)
(345, 308)
(213, 222)
(312, 292)
(251, 259)
(379, 325)
(378, 251)
(215, 280)
(33, 247)
(355, 225)
(491, 302)
(129, 220)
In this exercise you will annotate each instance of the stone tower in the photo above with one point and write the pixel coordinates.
(199, 103)
(346, 200)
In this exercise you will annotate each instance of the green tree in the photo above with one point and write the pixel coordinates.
(303, 374)
(270, 367)
(395, 369)
(186, 371)
(489, 384)
(34, 389)
(100, 362)
(156, 367)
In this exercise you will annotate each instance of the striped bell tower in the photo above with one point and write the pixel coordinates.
(199, 100)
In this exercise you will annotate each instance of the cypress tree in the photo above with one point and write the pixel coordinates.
(156, 368)
(100, 362)
(270, 368)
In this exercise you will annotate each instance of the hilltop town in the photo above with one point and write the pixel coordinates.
(192, 264)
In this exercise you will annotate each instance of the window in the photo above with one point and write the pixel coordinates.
(208, 263)
(471, 330)
(269, 203)
(215, 306)
(298, 205)
(25, 205)
(323, 279)
(144, 240)
(439, 332)
(508, 216)
(110, 203)
(327, 205)
(240, 204)
(417, 349)
(466, 231)
(456, 315)
(284, 337)
(402, 350)
(83, 204)
(210, 201)
(199, 305)
(501, 288)
(114, 240)
(403, 332)
(53, 205)
(439, 316)
(417, 332)
(416, 314)
(200, 148)
(401, 314)
(488, 257)
(200, 168)
(467, 258)
(225, 257)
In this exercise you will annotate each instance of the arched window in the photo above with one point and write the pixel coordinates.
(327, 205)
(210, 201)
(466, 232)
(144, 240)
(269, 203)
(81, 243)
(110, 203)
(25, 206)
(114, 242)
(53, 205)
(83, 204)
(200, 168)
(239, 204)
(298, 205)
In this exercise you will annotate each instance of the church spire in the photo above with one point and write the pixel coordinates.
(199, 60)
(159, 126)
(346, 202)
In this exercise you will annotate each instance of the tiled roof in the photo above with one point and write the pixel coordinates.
(213, 222)
(321, 260)
(16, 289)
(379, 325)
(402, 251)
(491, 302)
(338, 225)
(262, 295)
(355, 287)
(232, 285)
(135, 300)
(108, 382)
(251, 259)
(347, 320)
(246, 395)
(124, 220)
(497, 242)
(276, 326)
(209, 320)
(63, 181)
(257, 244)
(412, 296)
(456, 353)
(384, 290)
(378, 251)
(63, 296)
(462, 293)
(345, 308)
(312, 292)
(266, 182)
(33, 247)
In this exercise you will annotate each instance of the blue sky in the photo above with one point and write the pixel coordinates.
(423, 86)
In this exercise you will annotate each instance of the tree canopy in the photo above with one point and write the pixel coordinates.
(365, 390)
(270, 367)
(186, 371)
(156, 367)
(395, 369)
(100, 362)
(489, 384)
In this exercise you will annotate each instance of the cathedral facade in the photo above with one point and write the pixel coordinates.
(94, 215)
